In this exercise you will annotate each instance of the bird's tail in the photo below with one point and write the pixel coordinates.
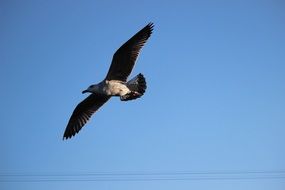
(137, 85)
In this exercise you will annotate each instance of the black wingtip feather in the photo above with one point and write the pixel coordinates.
(150, 26)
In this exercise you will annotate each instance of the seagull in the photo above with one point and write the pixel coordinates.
(114, 84)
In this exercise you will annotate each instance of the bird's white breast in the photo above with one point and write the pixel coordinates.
(115, 88)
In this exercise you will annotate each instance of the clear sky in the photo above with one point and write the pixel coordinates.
(212, 116)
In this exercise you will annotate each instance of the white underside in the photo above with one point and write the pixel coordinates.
(115, 88)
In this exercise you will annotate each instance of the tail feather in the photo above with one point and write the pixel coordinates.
(137, 85)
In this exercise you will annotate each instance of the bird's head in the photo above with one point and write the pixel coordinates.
(91, 88)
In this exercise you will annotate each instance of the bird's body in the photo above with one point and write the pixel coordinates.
(115, 88)
(119, 88)
(110, 88)
(115, 83)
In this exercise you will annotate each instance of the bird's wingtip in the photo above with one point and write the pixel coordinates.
(66, 137)
(151, 25)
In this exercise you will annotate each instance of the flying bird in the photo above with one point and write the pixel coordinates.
(114, 84)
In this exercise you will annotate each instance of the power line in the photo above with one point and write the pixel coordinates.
(141, 176)
(141, 179)
(48, 174)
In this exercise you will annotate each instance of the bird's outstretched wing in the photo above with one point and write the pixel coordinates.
(83, 112)
(125, 57)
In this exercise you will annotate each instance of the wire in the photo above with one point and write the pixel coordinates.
(142, 173)
(141, 179)
(141, 176)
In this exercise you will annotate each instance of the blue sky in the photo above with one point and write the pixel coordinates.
(214, 103)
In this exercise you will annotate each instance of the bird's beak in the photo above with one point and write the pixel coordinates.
(84, 91)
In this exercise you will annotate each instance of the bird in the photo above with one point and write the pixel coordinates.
(115, 84)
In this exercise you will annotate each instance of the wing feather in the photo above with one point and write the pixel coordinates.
(83, 112)
(125, 57)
